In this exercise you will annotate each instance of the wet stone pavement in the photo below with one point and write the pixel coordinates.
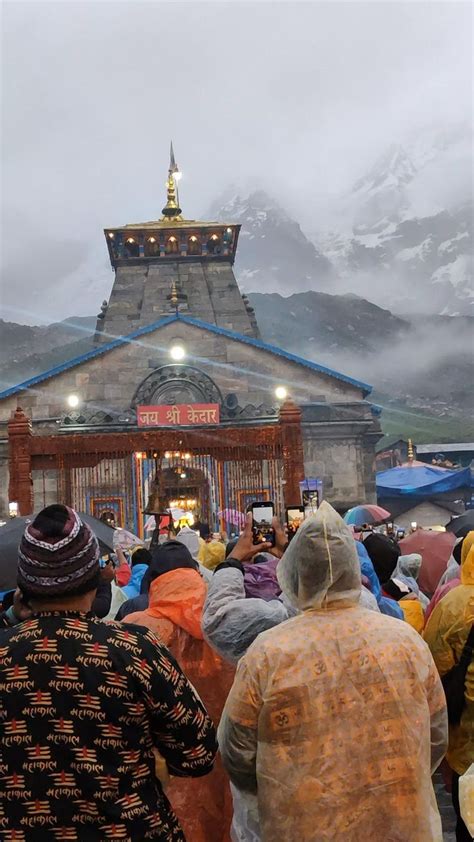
(445, 805)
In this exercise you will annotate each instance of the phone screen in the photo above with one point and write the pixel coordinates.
(262, 514)
(294, 518)
(310, 502)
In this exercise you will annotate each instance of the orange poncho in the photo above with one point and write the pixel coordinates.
(202, 805)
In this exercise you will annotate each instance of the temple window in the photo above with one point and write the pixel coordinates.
(152, 246)
(213, 244)
(131, 247)
(194, 245)
(172, 245)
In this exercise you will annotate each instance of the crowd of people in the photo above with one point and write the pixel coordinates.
(203, 691)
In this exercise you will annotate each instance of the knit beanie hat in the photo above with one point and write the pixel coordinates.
(58, 554)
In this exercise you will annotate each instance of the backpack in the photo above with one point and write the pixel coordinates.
(454, 682)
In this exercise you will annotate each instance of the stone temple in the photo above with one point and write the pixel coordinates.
(181, 398)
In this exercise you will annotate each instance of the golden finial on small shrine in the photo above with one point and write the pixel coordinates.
(411, 452)
(174, 295)
(172, 210)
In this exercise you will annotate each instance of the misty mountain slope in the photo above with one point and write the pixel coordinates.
(403, 237)
(19, 341)
(274, 255)
(312, 322)
(423, 364)
(401, 421)
(27, 350)
(421, 369)
(422, 264)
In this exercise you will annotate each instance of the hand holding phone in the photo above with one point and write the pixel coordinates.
(262, 528)
(245, 549)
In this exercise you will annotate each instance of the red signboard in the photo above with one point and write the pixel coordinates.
(178, 415)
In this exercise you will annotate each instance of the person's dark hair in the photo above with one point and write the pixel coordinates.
(384, 553)
(457, 551)
(141, 556)
(204, 530)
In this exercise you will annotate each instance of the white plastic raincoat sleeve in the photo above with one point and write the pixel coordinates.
(230, 621)
(237, 734)
(438, 716)
(466, 798)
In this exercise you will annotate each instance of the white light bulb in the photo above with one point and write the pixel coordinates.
(73, 401)
(281, 393)
(177, 352)
(177, 175)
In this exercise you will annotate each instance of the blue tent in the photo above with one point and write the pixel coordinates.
(420, 481)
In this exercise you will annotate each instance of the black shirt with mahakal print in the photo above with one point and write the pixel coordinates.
(83, 705)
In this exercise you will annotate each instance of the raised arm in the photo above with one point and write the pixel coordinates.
(230, 621)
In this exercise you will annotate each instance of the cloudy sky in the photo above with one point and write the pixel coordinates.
(298, 97)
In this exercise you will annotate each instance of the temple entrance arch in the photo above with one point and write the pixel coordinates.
(111, 471)
(176, 384)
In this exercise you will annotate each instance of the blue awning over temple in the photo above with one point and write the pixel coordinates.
(420, 481)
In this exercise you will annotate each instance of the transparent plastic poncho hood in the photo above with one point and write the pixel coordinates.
(321, 564)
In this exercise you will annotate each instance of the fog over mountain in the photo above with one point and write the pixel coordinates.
(338, 134)
(392, 239)
(300, 100)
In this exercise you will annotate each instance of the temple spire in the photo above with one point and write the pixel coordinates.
(411, 452)
(172, 211)
(173, 165)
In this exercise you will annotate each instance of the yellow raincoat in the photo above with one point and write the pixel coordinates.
(212, 554)
(413, 613)
(446, 633)
(337, 717)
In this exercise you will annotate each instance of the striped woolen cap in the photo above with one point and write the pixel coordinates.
(58, 554)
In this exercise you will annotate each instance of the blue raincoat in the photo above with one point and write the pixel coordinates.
(385, 604)
(133, 587)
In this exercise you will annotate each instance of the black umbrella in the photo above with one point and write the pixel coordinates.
(10, 537)
(461, 525)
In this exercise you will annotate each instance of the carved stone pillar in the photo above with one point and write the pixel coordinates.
(293, 459)
(20, 489)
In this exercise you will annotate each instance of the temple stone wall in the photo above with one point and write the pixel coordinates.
(140, 296)
(339, 429)
(337, 460)
(109, 382)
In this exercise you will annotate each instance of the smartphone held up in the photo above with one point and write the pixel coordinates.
(262, 529)
(295, 516)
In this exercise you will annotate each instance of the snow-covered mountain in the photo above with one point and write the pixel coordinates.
(273, 254)
(405, 233)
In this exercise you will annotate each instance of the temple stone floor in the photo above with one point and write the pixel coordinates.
(445, 805)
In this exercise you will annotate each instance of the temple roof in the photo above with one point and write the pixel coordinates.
(166, 224)
(220, 331)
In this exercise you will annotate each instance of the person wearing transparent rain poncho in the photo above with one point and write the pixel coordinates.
(337, 717)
